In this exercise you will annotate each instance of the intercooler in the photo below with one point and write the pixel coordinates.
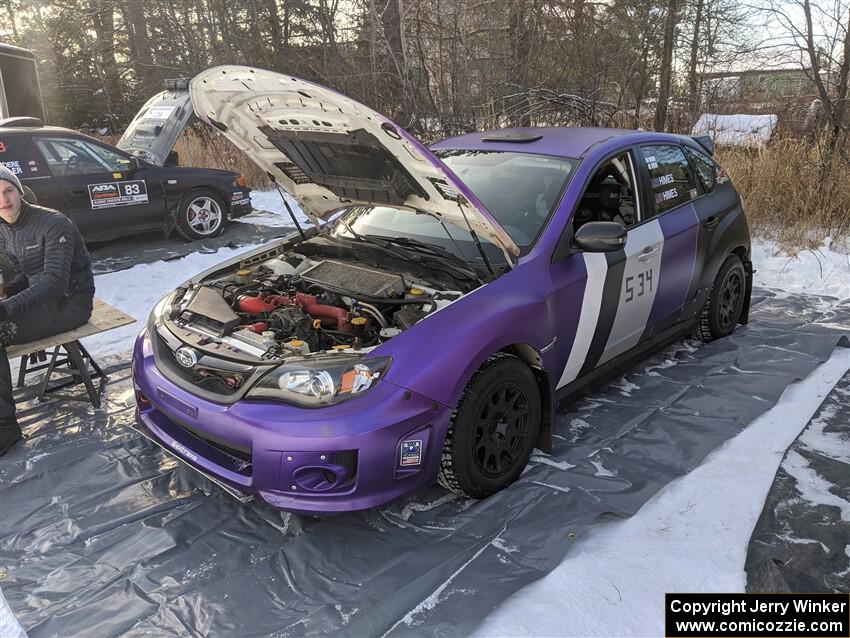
(356, 280)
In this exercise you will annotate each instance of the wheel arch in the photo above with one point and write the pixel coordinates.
(529, 355)
(743, 252)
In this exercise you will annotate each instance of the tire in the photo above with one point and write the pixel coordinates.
(484, 451)
(725, 301)
(201, 214)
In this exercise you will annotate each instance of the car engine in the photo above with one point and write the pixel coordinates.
(294, 304)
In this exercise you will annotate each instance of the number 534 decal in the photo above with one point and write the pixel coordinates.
(638, 285)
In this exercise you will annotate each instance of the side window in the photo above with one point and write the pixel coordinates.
(18, 155)
(705, 168)
(670, 178)
(611, 194)
(68, 156)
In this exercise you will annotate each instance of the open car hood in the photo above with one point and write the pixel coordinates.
(157, 126)
(331, 152)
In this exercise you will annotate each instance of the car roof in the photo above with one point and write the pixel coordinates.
(49, 130)
(41, 129)
(563, 141)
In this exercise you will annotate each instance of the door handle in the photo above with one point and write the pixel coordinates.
(648, 253)
(711, 222)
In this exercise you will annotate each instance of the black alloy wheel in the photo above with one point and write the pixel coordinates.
(726, 301)
(493, 430)
(731, 299)
(501, 429)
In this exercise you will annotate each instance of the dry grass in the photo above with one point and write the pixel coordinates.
(211, 150)
(794, 191)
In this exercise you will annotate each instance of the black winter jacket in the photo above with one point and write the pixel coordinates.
(50, 251)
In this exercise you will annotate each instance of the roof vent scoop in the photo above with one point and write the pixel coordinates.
(518, 138)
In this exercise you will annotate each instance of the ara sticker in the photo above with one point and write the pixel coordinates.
(112, 194)
(411, 452)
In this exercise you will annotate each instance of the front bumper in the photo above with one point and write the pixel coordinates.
(312, 461)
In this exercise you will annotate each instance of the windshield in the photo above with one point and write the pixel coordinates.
(387, 221)
(521, 190)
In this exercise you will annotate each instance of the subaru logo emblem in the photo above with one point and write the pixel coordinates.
(186, 357)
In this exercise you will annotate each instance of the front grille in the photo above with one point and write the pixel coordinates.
(347, 459)
(208, 378)
(242, 453)
(354, 279)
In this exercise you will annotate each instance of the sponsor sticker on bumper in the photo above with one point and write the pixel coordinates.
(239, 199)
(411, 452)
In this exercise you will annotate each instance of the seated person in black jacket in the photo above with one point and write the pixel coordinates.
(52, 290)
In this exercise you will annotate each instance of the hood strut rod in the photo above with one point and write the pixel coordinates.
(289, 210)
(475, 239)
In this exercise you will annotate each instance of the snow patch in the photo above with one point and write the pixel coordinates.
(561, 465)
(9, 626)
(412, 507)
(811, 485)
(601, 471)
(565, 490)
(822, 271)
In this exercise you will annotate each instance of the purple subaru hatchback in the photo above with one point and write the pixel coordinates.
(452, 298)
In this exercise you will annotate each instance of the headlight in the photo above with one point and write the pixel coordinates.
(321, 380)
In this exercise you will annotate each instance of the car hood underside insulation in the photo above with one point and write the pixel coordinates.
(103, 534)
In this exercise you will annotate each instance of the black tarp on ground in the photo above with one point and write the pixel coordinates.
(801, 542)
(104, 534)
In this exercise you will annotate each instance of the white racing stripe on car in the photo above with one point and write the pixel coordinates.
(640, 284)
(596, 265)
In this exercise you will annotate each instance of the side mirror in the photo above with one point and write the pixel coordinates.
(600, 237)
(173, 159)
(129, 164)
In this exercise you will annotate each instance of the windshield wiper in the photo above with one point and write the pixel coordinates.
(368, 239)
(444, 255)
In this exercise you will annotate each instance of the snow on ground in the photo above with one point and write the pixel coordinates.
(9, 627)
(823, 271)
(269, 210)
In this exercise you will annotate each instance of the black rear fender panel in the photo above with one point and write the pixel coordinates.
(730, 235)
(188, 179)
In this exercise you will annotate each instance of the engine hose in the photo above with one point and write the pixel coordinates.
(374, 312)
(403, 302)
(375, 300)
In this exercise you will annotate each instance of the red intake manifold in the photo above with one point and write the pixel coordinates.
(260, 304)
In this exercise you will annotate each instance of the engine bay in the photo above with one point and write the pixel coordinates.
(287, 304)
